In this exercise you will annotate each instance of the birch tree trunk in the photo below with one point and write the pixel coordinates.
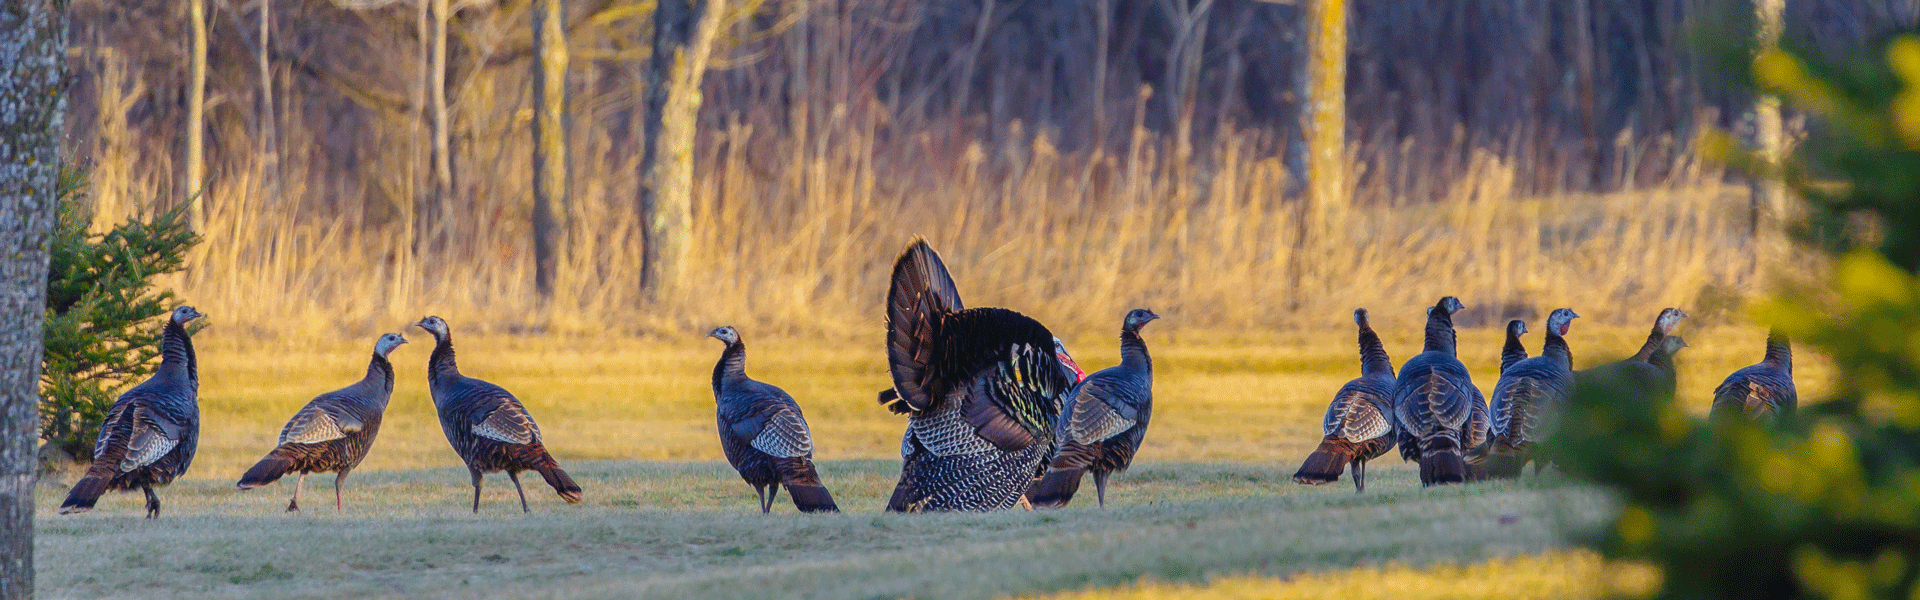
(1326, 113)
(549, 138)
(673, 107)
(196, 113)
(33, 48)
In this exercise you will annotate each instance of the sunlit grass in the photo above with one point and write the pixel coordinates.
(1568, 575)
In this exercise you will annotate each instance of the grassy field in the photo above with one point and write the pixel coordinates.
(1209, 498)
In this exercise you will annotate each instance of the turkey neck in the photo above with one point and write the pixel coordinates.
(1440, 332)
(1133, 351)
(1556, 347)
(1513, 351)
(1779, 350)
(1373, 355)
(176, 354)
(732, 365)
(380, 373)
(440, 366)
(1654, 341)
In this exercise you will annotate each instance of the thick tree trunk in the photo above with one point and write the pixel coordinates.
(196, 113)
(1326, 114)
(33, 48)
(550, 168)
(673, 107)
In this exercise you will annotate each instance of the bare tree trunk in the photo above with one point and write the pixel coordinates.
(1326, 114)
(549, 138)
(442, 197)
(33, 48)
(673, 107)
(269, 124)
(196, 113)
(1769, 194)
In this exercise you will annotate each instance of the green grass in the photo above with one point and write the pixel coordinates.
(691, 530)
(663, 517)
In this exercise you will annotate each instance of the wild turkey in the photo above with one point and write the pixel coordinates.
(1104, 418)
(763, 433)
(890, 398)
(1359, 423)
(1515, 350)
(1434, 401)
(1648, 370)
(1763, 391)
(487, 426)
(1531, 392)
(983, 388)
(334, 430)
(152, 430)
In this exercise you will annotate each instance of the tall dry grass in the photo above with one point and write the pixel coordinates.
(801, 205)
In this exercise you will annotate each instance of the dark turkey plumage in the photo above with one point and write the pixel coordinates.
(1359, 424)
(487, 426)
(1763, 391)
(1104, 418)
(1437, 410)
(1530, 394)
(983, 388)
(1649, 372)
(152, 430)
(763, 433)
(1515, 350)
(333, 432)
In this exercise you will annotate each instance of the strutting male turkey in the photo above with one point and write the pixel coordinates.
(763, 433)
(1435, 402)
(1648, 374)
(983, 388)
(1359, 424)
(1530, 395)
(150, 434)
(333, 432)
(1763, 391)
(1104, 418)
(487, 426)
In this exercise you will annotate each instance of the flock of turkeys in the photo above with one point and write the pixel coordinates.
(999, 415)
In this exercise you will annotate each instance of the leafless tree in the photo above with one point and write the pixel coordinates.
(550, 165)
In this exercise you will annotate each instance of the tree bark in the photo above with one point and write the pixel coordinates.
(673, 108)
(196, 113)
(442, 195)
(33, 48)
(1326, 113)
(550, 169)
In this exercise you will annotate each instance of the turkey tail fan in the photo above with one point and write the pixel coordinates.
(84, 494)
(1056, 489)
(268, 470)
(1441, 463)
(558, 478)
(920, 294)
(1326, 464)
